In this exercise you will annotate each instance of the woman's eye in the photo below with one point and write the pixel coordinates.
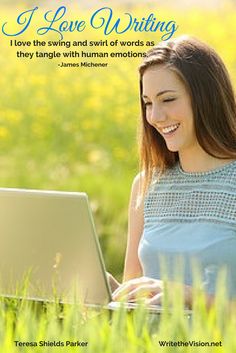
(147, 104)
(168, 100)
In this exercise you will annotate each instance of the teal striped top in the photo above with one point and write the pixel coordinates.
(190, 218)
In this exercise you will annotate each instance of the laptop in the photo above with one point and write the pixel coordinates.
(50, 250)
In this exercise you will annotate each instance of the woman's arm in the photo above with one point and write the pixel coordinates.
(135, 228)
(132, 267)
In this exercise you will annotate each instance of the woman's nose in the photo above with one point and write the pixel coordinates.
(157, 115)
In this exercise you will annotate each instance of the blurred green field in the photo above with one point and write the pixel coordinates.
(75, 129)
(120, 331)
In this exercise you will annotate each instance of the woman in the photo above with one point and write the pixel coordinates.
(183, 203)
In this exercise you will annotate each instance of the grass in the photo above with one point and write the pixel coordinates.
(27, 325)
(50, 327)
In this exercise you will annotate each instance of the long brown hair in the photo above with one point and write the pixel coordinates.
(212, 98)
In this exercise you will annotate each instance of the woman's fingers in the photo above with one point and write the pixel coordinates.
(137, 288)
(128, 287)
(140, 292)
(123, 290)
(155, 300)
(149, 289)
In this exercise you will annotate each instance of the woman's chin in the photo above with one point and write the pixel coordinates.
(172, 148)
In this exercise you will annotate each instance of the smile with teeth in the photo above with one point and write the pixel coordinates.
(170, 129)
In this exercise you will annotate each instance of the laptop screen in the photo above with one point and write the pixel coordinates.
(49, 247)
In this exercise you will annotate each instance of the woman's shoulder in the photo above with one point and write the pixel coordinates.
(232, 168)
(232, 165)
(137, 183)
(138, 178)
(227, 173)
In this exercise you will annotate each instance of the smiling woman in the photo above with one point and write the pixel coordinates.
(198, 75)
(169, 110)
(183, 203)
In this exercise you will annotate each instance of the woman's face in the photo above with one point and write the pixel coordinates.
(168, 108)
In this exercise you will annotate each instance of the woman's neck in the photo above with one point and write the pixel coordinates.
(200, 161)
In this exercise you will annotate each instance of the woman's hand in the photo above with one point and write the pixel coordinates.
(151, 291)
(140, 288)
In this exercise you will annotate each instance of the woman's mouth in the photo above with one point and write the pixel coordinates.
(169, 130)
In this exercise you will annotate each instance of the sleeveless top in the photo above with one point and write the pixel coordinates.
(190, 227)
